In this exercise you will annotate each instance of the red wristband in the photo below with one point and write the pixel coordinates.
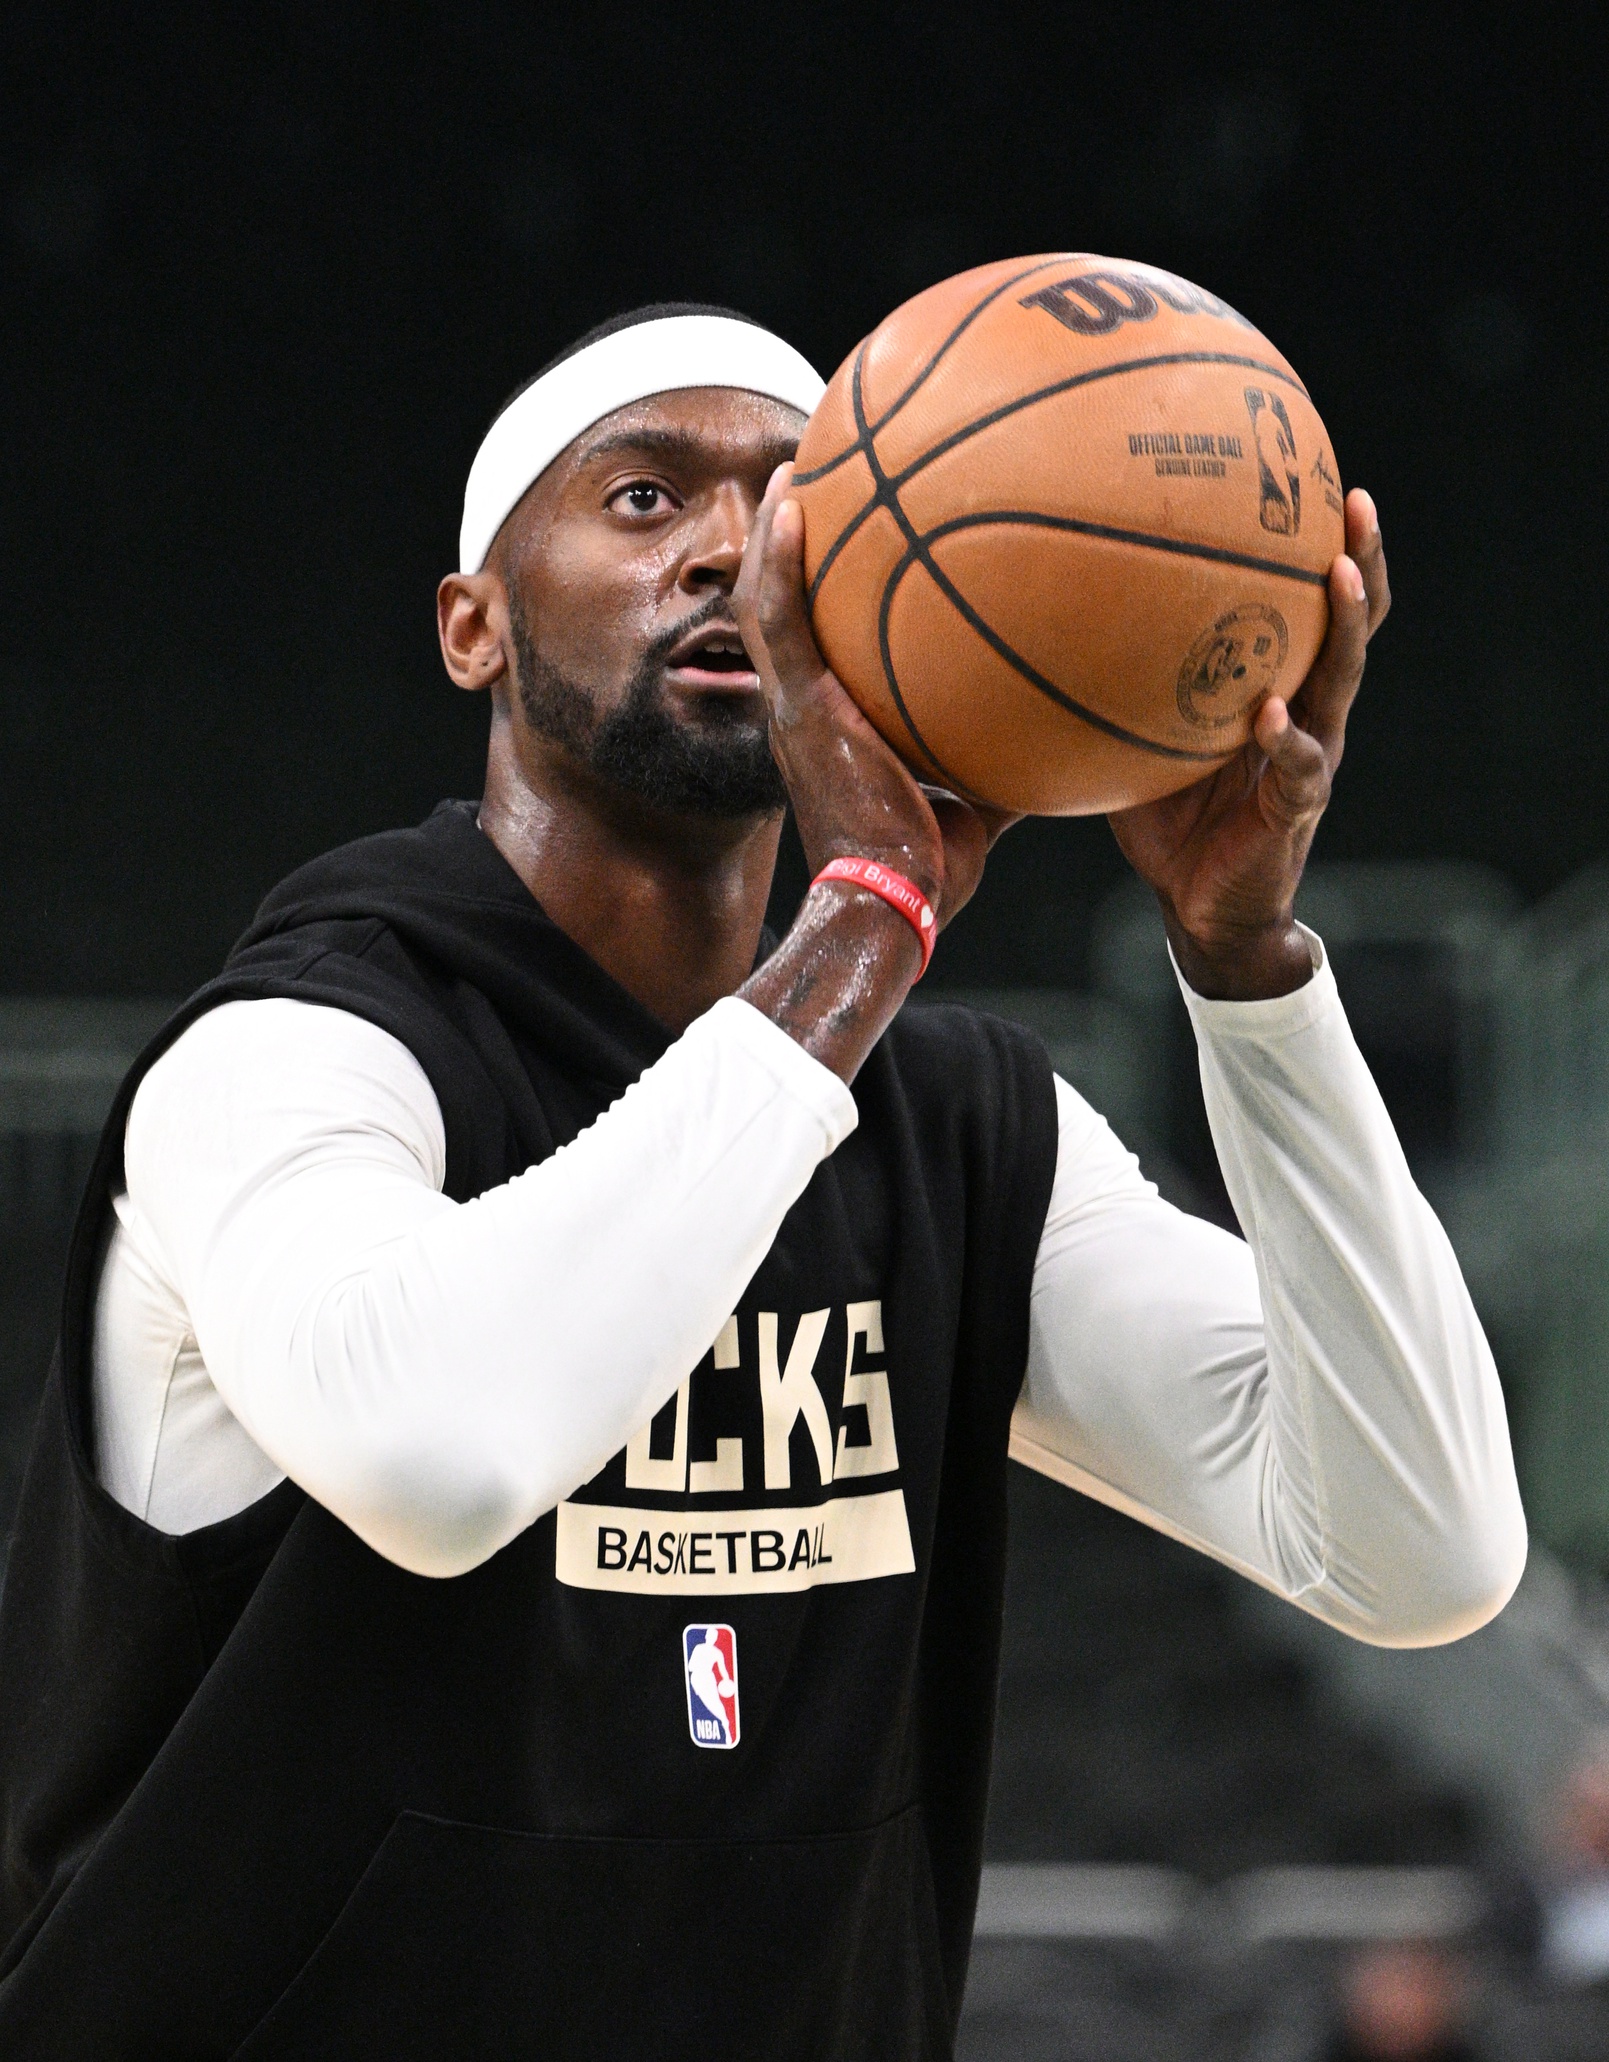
(896, 891)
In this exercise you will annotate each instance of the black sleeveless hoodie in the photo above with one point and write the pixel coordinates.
(263, 1793)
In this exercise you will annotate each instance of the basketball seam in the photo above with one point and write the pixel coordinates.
(852, 528)
(820, 472)
(1028, 518)
(889, 585)
(984, 422)
(890, 589)
(1028, 670)
(1085, 379)
(887, 495)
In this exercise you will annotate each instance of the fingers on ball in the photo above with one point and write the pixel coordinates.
(1300, 787)
(1377, 586)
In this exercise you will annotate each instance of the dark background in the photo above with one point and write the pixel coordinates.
(267, 274)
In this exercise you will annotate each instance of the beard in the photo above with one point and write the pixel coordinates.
(717, 764)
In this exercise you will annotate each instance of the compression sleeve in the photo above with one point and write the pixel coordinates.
(440, 1374)
(1317, 1406)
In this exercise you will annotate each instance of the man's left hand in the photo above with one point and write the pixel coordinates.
(1225, 856)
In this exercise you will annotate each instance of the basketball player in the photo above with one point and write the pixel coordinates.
(514, 1257)
(1276, 462)
(707, 1672)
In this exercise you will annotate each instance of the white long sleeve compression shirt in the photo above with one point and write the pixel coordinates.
(287, 1292)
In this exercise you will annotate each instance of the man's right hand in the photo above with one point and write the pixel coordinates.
(852, 797)
(849, 960)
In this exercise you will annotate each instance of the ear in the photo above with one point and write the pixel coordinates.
(472, 623)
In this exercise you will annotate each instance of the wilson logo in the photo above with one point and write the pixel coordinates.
(1093, 304)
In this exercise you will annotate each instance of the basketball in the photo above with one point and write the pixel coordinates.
(1068, 521)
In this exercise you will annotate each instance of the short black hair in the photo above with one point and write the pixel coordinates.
(653, 311)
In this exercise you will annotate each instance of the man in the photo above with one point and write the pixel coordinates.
(492, 1272)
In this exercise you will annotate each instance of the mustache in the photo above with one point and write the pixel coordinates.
(718, 609)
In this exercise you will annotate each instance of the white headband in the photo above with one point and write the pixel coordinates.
(649, 358)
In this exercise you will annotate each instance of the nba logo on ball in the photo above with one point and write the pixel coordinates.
(709, 1655)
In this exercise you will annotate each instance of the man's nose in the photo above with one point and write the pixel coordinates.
(716, 546)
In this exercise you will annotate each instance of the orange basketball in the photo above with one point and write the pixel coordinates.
(1067, 521)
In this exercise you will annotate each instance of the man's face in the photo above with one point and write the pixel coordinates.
(619, 565)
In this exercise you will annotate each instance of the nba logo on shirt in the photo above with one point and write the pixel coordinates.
(709, 1655)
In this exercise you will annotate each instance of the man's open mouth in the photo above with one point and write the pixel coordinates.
(713, 657)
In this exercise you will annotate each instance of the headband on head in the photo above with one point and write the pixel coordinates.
(654, 357)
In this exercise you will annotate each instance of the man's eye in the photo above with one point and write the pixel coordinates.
(642, 497)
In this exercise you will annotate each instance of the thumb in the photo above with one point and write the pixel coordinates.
(966, 839)
(781, 611)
